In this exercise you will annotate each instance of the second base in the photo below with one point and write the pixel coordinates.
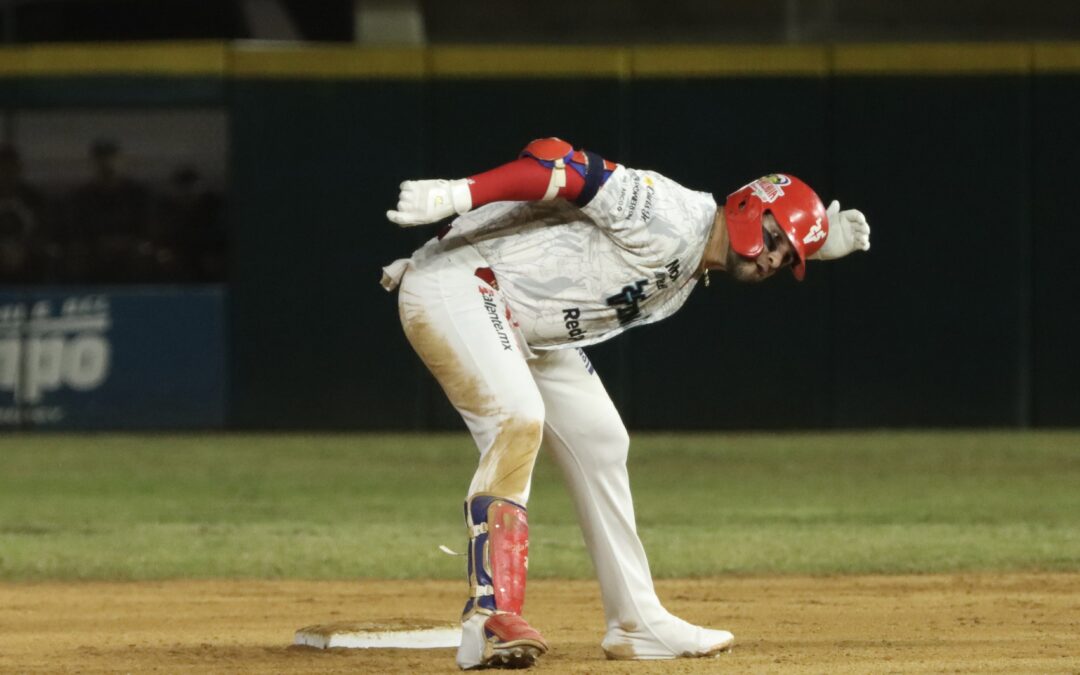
(385, 635)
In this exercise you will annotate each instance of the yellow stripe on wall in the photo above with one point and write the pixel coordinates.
(157, 58)
(302, 61)
(728, 61)
(254, 60)
(529, 61)
(933, 59)
(1060, 57)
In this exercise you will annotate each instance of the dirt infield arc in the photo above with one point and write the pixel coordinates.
(994, 623)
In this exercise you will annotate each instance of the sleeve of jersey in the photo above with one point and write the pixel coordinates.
(547, 169)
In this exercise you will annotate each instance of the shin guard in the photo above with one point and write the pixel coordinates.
(494, 634)
(498, 555)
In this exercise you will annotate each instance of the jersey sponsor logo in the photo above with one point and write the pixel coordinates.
(635, 195)
(671, 274)
(627, 301)
(629, 199)
(571, 319)
(493, 314)
(816, 233)
(650, 197)
(487, 276)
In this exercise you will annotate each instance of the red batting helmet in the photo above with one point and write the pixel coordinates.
(796, 207)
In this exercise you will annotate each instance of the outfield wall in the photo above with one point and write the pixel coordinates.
(962, 314)
(112, 358)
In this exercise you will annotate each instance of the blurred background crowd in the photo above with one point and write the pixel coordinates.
(111, 227)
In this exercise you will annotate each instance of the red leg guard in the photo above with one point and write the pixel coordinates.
(508, 552)
(498, 554)
(495, 635)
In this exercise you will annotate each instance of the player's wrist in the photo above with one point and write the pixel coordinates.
(461, 195)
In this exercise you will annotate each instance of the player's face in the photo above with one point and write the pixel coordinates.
(777, 254)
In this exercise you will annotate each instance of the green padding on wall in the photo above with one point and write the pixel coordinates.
(111, 91)
(1054, 247)
(314, 335)
(929, 329)
(960, 315)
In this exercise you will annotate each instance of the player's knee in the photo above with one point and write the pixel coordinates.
(524, 432)
(507, 464)
(524, 409)
(521, 423)
(527, 427)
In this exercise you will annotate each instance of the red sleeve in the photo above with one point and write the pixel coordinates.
(521, 180)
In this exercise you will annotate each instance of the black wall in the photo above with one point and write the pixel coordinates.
(931, 327)
(963, 313)
(315, 342)
(1054, 236)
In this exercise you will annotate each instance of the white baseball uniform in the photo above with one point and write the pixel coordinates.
(502, 345)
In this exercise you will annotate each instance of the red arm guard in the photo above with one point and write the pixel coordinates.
(530, 177)
(522, 180)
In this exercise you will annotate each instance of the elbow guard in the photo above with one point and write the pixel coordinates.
(557, 155)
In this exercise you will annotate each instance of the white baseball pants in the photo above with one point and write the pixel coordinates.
(512, 401)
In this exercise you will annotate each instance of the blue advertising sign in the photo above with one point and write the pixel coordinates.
(90, 358)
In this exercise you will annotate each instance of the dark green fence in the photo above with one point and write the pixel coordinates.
(964, 312)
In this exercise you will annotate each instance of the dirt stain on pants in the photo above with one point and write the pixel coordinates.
(461, 387)
(506, 466)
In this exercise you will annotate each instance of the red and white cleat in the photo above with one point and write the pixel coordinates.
(499, 641)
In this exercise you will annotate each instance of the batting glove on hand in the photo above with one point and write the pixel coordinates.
(848, 231)
(428, 201)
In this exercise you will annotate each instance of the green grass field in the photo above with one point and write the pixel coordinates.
(346, 506)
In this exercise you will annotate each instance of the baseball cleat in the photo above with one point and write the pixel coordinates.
(518, 657)
(669, 638)
(499, 641)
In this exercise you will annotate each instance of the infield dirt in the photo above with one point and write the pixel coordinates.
(1001, 623)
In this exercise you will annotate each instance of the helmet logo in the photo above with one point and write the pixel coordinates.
(816, 233)
(770, 188)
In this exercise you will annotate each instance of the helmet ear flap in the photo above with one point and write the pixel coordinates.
(743, 213)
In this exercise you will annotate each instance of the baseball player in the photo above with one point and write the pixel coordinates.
(552, 252)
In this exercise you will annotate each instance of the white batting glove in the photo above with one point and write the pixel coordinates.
(848, 231)
(427, 201)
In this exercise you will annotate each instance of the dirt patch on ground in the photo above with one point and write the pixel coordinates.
(1016, 623)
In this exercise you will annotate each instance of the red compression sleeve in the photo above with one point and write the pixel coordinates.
(522, 180)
